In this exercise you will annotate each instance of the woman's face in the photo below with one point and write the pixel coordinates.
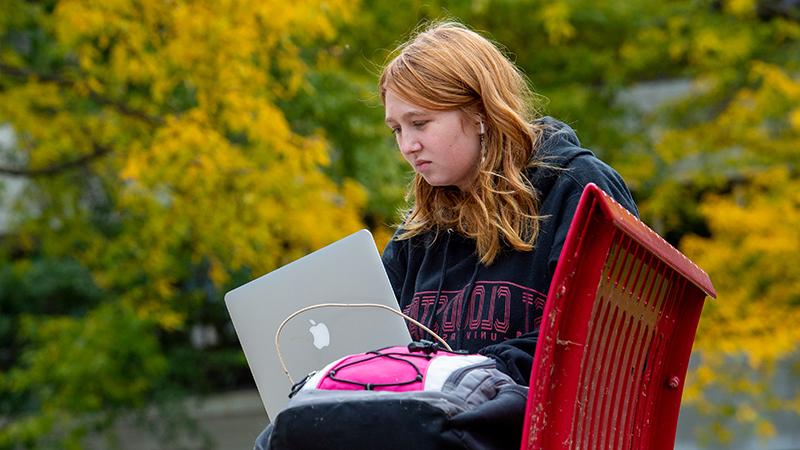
(442, 146)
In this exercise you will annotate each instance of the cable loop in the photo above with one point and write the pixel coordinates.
(345, 305)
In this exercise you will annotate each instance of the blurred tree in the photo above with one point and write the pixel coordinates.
(753, 258)
(746, 160)
(158, 161)
(344, 107)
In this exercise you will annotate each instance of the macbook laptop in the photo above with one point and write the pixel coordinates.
(347, 271)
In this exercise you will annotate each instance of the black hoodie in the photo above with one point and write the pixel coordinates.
(506, 299)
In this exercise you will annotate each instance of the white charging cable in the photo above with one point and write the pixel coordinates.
(346, 305)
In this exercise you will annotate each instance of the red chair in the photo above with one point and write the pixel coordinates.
(616, 336)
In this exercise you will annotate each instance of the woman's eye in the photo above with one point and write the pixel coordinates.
(395, 131)
(419, 123)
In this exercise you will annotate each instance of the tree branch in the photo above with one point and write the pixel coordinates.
(98, 151)
(57, 168)
(126, 110)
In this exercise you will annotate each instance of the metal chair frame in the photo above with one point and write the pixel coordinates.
(616, 335)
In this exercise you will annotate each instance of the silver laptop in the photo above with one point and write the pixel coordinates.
(347, 271)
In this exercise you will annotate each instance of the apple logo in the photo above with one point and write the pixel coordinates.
(322, 337)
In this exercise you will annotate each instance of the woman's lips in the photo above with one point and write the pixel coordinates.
(420, 164)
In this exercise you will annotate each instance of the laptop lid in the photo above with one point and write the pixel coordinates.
(348, 271)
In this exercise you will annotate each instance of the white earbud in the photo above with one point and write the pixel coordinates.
(483, 130)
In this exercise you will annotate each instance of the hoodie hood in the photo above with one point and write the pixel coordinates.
(555, 133)
(558, 147)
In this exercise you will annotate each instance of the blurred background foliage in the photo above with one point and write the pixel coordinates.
(161, 153)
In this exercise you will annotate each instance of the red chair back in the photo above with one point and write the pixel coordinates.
(616, 335)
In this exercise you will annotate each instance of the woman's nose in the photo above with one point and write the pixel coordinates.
(409, 145)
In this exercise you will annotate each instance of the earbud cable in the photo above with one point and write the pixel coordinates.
(346, 305)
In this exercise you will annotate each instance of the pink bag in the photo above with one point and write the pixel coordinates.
(394, 369)
(398, 398)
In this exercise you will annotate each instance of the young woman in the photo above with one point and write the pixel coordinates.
(493, 196)
(494, 191)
